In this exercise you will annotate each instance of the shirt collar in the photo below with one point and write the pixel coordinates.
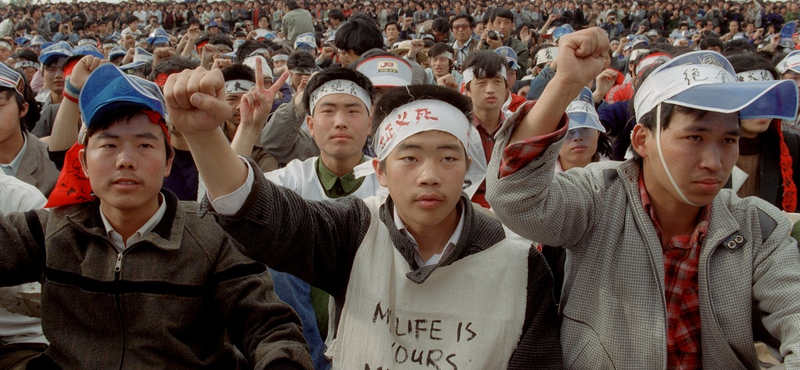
(328, 178)
(700, 230)
(139, 234)
(451, 243)
(466, 44)
(13, 167)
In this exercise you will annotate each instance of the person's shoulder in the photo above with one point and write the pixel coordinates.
(753, 212)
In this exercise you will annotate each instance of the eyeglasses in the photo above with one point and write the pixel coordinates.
(460, 26)
(582, 132)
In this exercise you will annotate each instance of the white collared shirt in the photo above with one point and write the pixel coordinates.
(12, 168)
(140, 234)
(421, 262)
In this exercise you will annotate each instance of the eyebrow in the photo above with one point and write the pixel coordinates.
(347, 105)
(704, 128)
(106, 135)
(403, 146)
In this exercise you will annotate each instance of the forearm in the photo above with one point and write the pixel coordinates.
(66, 126)
(244, 140)
(544, 118)
(219, 167)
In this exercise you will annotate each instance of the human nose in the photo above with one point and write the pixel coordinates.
(712, 158)
(340, 120)
(126, 158)
(429, 173)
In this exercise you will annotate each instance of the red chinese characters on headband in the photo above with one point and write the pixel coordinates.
(403, 119)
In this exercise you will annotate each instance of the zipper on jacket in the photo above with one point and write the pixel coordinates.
(117, 275)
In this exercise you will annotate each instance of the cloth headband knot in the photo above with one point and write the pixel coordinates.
(238, 86)
(339, 87)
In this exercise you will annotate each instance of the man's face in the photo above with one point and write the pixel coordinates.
(440, 65)
(792, 75)
(340, 125)
(699, 152)
(9, 116)
(126, 165)
(392, 32)
(54, 76)
(487, 93)
(503, 25)
(297, 78)
(233, 100)
(750, 28)
(578, 148)
(425, 177)
(263, 23)
(734, 26)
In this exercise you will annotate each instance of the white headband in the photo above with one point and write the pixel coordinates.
(109, 45)
(755, 75)
(419, 116)
(5, 45)
(413, 118)
(339, 87)
(280, 57)
(446, 54)
(469, 74)
(635, 54)
(791, 61)
(650, 60)
(82, 42)
(26, 63)
(546, 55)
(238, 86)
(665, 84)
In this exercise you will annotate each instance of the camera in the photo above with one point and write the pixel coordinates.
(494, 35)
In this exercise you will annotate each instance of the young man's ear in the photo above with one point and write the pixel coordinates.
(639, 139)
(380, 172)
(82, 159)
(23, 111)
(310, 123)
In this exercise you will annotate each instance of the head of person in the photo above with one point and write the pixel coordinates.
(543, 55)
(421, 139)
(222, 44)
(127, 150)
(511, 63)
(133, 22)
(15, 100)
(338, 102)
(301, 65)
(239, 79)
(441, 30)
(355, 37)
(27, 62)
(789, 67)
(485, 82)
(687, 138)
(384, 70)
(392, 30)
(53, 59)
(462, 25)
(585, 141)
(441, 57)
(503, 22)
(336, 17)
(266, 71)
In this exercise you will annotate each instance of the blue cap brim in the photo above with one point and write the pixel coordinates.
(107, 88)
(583, 119)
(758, 99)
(131, 65)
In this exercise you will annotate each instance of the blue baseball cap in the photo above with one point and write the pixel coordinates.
(87, 49)
(22, 40)
(561, 31)
(157, 36)
(140, 58)
(108, 88)
(509, 54)
(117, 51)
(59, 49)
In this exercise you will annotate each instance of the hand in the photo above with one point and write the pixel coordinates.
(163, 52)
(494, 44)
(129, 42)
(447, 81)
(580, 55)
(696, 38)
(195, 100)
(327, 52)
(193, 33)
(221, 63)
(207, 53)
(603, 83)
(83, 69)
(775, 40)
(257, 103)
(553, 17)
(525, 35)
(416, 46)
(128, 56)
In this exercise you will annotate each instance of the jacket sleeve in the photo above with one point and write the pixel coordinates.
(540, 343)
(536, 203)
(264, 328)
(314, 241)
(283, 139)
(22, 254)
(776, 279)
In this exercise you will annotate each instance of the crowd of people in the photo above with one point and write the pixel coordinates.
(300, 184)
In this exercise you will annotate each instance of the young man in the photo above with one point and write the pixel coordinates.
(665, 269)
(423, 257)
(134, 278)
(503, 23)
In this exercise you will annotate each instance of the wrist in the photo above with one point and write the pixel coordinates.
(71, 89)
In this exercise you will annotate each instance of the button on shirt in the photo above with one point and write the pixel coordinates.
(335, 186)
(140, 234)
(12, 168)
(420, 261)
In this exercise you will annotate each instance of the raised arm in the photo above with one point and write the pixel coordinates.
(68, 119)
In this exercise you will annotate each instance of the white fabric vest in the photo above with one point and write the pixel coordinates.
(467, 315)
(301, 177)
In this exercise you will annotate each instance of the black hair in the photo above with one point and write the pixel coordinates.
(738, 46)
(709, 42)
(131, 19)
(221, 38)
(397, 25)
(486, 63)
(502, 13)
(439, 49)
(238, 71)
(248, 47)
(463, 16)
(743, 62)
(338, 14)
(120, 112)
(172, 65)
(336, 73)
(358, 35)
(26, 54)
(301, 59)
(441, 25)
(291, 4)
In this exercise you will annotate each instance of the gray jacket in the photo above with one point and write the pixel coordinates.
(283, 138)
(613, 305)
